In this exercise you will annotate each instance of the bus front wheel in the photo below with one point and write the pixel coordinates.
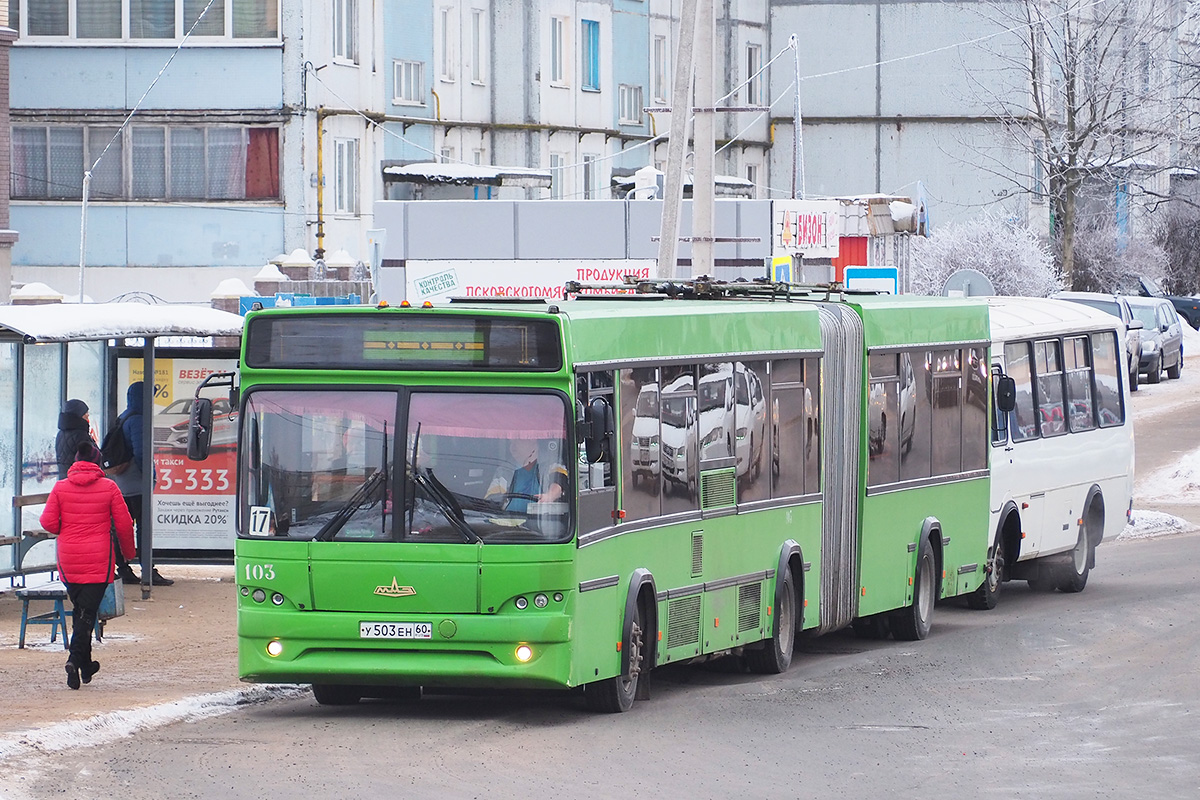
(914, 621)
(776, 654)
(616, 695)
(329, 694)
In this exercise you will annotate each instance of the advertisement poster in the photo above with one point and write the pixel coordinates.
(193, 500)
(806, 227)
(439, 280)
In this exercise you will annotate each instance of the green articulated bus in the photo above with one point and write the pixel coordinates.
(569, 494)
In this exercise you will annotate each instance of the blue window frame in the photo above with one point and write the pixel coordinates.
(589, 43)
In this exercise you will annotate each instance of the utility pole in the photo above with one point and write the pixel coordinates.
(681, 103)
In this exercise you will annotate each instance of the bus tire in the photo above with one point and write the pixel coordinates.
(913, 622)
(332, 694)
(988, 594)
(615, 695)
(1074, 573)
(776, 654)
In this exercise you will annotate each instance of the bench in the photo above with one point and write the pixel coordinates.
(24, 541)
(50, 591)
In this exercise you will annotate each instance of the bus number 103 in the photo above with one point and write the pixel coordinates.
(260, 572)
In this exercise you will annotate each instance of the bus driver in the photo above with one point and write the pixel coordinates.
(525, 485)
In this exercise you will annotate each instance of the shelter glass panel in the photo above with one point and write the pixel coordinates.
(42, 398)
(8, 439)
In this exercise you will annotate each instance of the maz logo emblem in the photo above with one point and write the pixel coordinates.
(395, 590)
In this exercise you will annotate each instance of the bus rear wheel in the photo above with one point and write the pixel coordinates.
(1074, 574)
(616, 695)
(914, 621)
(776, 654)
(988, 594)
(330, 694)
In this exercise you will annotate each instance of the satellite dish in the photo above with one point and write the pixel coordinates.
(968, 283)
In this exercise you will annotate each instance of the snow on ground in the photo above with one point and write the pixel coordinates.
(105, 728)
(1148, 524)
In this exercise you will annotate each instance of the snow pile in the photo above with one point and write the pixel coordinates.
(1148, 524)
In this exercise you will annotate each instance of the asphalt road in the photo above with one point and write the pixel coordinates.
(1064, 696)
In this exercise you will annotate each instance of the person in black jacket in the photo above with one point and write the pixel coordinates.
(74, 428)
(130, 481)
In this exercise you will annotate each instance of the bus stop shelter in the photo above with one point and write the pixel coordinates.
(52, 352)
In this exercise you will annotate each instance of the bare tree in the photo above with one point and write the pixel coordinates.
(1096, 93)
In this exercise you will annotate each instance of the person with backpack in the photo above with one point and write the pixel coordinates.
(129, 478)
(83, 510)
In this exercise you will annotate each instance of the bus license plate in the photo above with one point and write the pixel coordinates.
(395, 630)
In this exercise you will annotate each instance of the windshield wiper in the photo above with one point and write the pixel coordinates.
(443, 498)
(343, 514)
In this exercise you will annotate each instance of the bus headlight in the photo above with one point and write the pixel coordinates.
(524, 653)
(274, 648)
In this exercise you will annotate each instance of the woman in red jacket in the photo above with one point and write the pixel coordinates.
(82, 509)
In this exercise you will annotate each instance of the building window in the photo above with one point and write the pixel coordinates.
(660, 69)
(345, 27)
(630, 101)
(446, 156)
(591, 174)
(589, 54)
(166, 162)
(558, 176)
(558, 30)
(118, 20)
(478, 156)
(345, 176)
(752, 176)
(408, 79)
(447, 43)
(477, 45)
(754, 95)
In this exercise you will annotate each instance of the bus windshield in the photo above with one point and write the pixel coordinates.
(471, 467)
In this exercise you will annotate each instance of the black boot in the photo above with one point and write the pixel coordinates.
(86, 673)
(159, 580)
(72, 675)
(125, 573)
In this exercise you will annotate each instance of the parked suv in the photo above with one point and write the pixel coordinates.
(1118, 306)
(1162, 337)
(1188, 308)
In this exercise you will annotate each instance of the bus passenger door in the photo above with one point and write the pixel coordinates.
(1033, 512)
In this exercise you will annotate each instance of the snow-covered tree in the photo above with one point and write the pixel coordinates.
(1099, 91)
(1012, 257)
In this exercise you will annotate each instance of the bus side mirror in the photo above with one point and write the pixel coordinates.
(1006, 394)
(200, 429)
(599, 419)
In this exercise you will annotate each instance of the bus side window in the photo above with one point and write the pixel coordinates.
(793, 435)
(1049, 368)
(1023, 419)
(1080, 409)
(1111, 410)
